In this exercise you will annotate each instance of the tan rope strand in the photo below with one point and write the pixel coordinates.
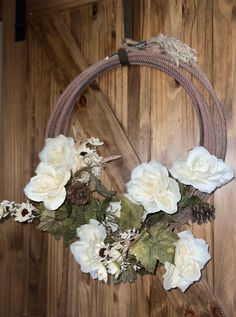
(212, 127)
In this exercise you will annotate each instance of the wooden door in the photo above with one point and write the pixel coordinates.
(148, 110)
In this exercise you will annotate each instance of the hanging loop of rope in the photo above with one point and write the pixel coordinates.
(169, 55)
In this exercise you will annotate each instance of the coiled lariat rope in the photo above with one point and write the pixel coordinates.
(174, 58)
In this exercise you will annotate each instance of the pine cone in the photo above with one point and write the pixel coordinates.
(202, 213)
(78, 193)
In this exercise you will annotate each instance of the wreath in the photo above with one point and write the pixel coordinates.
(114, 237)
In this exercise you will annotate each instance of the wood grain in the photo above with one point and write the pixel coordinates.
(40, 6)
(156, 120)
(224, 59)
(12, 263)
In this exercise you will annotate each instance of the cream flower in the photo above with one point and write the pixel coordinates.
(48, 186)
(86, 156)
(114, 268)
(191, 255)
(95, 141)
(94, 231)
(151, 186)
(202, 170)
(24, 212)
(86, 250)
(58, 152)
(6, 208)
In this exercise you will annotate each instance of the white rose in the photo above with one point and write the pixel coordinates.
(191, 255)
(94, 231)
(86, 251)
(48, 186)
(151, 186)
(202, 170)
(83, 254)
(58, 152)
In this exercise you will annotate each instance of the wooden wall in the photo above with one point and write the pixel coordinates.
(38, 276)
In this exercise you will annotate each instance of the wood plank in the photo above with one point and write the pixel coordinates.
(198, 27)
(43, 91)
(12, 270)
(40, 6)
(166, 111)
(224, 61)
(22, 262)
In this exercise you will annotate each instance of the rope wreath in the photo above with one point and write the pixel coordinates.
(211, 119)
(115, 238)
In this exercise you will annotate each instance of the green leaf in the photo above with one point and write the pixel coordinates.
(101, 189)
(69, 236)
(61, 213)
(145, 251)
(94, 210)
(129, 275)
(109, 240)
(187, 197)
(49, 224)
(155, 244)
(183, 189)
(105, 203)
(130, 214)
(158, 217)
(164, 238)
(189, 201)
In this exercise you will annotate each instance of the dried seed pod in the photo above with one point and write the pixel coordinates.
(202, 213)
(78, 193)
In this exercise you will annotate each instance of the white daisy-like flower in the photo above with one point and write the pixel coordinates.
(25, 212)
(6, 208)
(95, 141)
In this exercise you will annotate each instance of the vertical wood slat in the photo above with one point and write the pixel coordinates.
(11, 241)
(224, 67)
(17, 259)
(198, 29)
